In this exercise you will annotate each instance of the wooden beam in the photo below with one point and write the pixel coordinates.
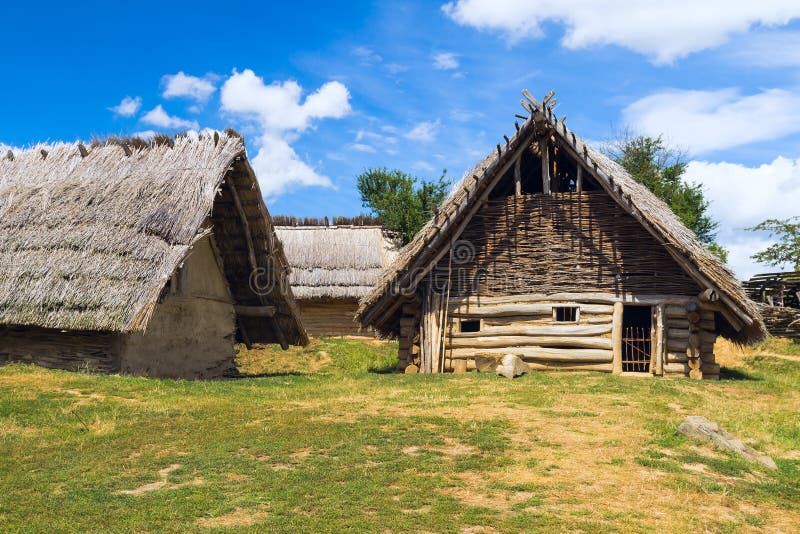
(545, 153)
(251, 254)
(518, 175)
(616, 337)
(579, 180)
(255, 311)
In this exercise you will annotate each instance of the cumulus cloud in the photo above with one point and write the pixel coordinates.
(128, 107)
(742, 197)
(281, 115)
(424, 132)
(160, 118)
(662, 31)
(445, 61)
(184, 85)
(704, 121)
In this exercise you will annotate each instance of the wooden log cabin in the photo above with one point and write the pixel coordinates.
(333, 267)
(551, 251)
(142, 257)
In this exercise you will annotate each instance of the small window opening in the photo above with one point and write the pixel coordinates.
(566, 314)
(471, 326)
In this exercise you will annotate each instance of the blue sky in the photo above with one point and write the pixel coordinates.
(323, 91)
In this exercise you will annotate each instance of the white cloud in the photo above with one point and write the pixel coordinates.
(361, 147)
(160, 118)
(445, 61)
(742, 197)
(776, 49)
(128, 107)
(281, 117)
(184, 85)
(703, 121)
(366, 55)
(424, 132)
(663, 31)
(422, 166)
(396, 68)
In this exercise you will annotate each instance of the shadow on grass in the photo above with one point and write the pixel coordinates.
(237, 375)
(383, 369)
(727, 373)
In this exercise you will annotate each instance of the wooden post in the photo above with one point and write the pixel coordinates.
(579, 180)
(545, 152)
(518, 175)
(616, 338)
(658, 340)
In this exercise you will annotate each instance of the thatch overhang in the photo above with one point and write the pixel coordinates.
(380, 308)
(90, 235)
(336, 262)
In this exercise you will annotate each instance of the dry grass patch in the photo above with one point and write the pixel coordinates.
(240, 517)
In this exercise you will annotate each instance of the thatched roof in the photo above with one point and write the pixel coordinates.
(89, 236)
(334, 262)
(379, 307)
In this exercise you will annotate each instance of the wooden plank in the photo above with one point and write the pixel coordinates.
(524, 309)
(560, 330)
(616, 336)
(545, 157)
(523, 341)
(676, 301)
(540, 353)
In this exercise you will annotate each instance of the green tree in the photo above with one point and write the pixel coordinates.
(404, 203)
(661, 168)
(787, 249)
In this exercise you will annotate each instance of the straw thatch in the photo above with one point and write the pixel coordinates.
(380, 307)
(89, 236)
(335, 262)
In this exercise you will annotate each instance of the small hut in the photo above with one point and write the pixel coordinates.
(778, 298)
(148, 258)
(333, 267)
(550, 251)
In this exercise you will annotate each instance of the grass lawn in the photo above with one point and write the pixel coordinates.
(323, 439)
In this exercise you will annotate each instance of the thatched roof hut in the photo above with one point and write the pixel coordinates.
(94, 240)
(524, 210)
(333, 267)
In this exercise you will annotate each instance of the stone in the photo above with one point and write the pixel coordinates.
(485, 364)
(698, 427)
(512, 366)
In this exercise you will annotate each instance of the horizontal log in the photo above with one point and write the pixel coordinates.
(589, 298)
(677, 357)
(544, 319)
(528, 341)
(549, 330)
(524, 309)
(676, 333)
(538, 354)
(675, 311)
(450, 365)
(255, 311)
(678, 323)
(677, 345)
(683, 368)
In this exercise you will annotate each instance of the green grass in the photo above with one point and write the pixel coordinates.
(323, 439)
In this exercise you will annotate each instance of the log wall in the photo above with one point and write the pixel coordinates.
(331, 318)
(524, 325)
